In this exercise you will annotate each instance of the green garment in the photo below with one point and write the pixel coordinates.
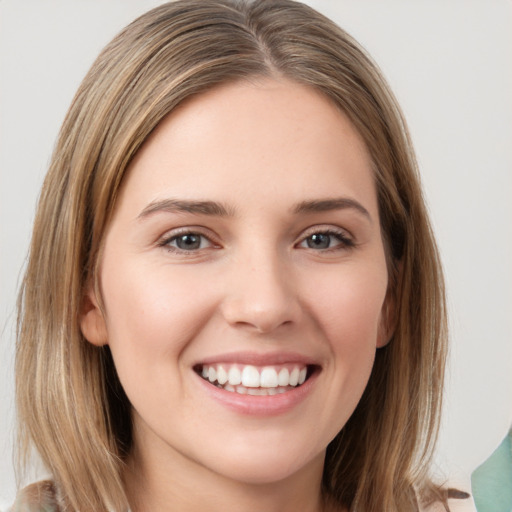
(491, 482)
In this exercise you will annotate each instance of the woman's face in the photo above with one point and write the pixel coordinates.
(245, 255)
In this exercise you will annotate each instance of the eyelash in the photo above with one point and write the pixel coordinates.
(345, 242)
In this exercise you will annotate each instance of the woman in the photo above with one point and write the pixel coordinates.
(232, 278)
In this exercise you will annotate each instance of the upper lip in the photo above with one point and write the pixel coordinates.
(259, 359)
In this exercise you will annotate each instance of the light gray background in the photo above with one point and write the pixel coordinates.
(449, 63)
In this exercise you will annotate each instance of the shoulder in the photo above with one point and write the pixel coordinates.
(37, 497)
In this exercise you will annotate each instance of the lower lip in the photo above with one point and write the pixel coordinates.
(269, 405)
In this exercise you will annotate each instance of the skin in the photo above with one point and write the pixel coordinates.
(256, 284)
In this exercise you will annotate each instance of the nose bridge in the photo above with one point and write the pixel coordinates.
(260, 294)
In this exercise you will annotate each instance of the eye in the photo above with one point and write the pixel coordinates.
(186, 242)
(326, 240)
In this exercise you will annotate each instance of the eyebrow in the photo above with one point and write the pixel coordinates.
(181, 205)
(337, 203)
(216, 209)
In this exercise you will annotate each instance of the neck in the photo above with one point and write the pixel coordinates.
(166, 480)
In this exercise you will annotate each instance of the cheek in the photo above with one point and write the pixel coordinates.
(348, 311)
(348, 307)
(152, 312)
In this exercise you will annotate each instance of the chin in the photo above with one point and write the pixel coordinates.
(273, 463)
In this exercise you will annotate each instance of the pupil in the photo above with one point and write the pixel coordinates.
(319, 241)
(188, 242)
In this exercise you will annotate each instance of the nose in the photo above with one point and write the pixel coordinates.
(260, 295)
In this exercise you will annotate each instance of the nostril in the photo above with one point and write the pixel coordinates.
(261, 305)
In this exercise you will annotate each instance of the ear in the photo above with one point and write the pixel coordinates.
(387, 321)
(92, 320)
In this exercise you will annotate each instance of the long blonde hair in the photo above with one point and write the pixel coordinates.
(71, 406)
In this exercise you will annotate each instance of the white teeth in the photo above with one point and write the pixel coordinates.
(242, 390)
(268, 378)
(251, 377)
(234, 376)
(222, 375)
(294, 377)
(284, 377)
(257, 391)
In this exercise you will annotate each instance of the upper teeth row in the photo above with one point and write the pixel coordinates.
(252, 377)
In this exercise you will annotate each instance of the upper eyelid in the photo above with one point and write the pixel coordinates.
(325, 228)
(184, 230)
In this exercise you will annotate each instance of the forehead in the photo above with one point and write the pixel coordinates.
(270, 139)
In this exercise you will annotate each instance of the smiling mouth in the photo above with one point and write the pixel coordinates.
(255, 380)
